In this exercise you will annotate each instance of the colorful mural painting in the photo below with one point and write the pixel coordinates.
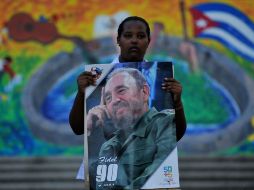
(44, 45)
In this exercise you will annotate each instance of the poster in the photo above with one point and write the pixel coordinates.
(130, 123)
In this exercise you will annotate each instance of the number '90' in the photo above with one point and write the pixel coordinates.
(105, 172)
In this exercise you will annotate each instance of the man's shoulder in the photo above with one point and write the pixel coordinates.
(162, 123)
(161, 117)
(168, 111)
(163, 113)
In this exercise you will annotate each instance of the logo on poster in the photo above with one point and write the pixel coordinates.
(168, 173)
(96, 72)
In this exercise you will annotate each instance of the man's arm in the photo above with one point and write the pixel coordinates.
(76, 116)
(173, 86)
(180, 120)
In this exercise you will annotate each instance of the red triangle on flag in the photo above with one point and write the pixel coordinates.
(201, 22)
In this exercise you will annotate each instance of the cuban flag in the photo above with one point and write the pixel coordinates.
(226, 24)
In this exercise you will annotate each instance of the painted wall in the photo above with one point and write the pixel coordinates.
(45, 44)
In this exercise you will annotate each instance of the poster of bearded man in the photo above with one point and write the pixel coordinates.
(130, 135)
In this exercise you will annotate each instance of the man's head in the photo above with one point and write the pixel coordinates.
(126, 96)
(133, 38)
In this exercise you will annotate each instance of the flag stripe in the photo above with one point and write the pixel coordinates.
(233, 23)
(235, 34)
(231, 42)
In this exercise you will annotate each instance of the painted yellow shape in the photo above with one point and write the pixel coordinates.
(4, 97)
(252, 121)
(251, 137)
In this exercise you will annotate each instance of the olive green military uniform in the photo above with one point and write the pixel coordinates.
(142, 148)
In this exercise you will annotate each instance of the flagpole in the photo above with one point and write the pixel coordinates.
(86, 164)
(183, 17)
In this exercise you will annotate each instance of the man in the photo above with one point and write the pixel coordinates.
(144, 137)
(133, 39)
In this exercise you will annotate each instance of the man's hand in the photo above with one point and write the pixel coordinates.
(84, 80)
(99, 116)
(96, 117)
(172, 85)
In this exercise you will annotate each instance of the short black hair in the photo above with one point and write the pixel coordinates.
(133, 18)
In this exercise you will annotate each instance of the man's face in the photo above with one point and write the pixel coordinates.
(124, 101)
(133, 41)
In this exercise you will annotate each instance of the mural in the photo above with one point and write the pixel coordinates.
(44, 45)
